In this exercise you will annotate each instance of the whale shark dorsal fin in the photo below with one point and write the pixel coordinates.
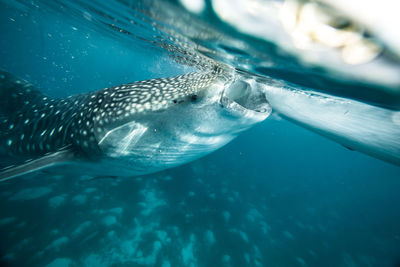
(16, 94)
(51, 159)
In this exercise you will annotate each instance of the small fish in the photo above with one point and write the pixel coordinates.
(130, 129)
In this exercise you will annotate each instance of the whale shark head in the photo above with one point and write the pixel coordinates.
(160, 123)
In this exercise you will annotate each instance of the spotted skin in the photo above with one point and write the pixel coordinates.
(33, 125)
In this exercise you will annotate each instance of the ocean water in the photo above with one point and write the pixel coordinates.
(277, 195)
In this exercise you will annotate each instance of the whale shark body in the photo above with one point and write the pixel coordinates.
(130, 129)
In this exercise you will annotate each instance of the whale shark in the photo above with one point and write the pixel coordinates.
(129, 129)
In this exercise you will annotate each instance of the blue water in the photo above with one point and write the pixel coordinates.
(278, 195)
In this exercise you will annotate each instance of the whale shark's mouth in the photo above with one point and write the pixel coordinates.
(246, 97)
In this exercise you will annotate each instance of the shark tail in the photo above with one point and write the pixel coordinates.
(18, 101)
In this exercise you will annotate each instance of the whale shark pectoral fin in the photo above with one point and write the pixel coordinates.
(62, 156)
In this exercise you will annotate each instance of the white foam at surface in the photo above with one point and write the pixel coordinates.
(194, 6)
(263, 19)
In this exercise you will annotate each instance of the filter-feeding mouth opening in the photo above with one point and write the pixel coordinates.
(246, 96)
